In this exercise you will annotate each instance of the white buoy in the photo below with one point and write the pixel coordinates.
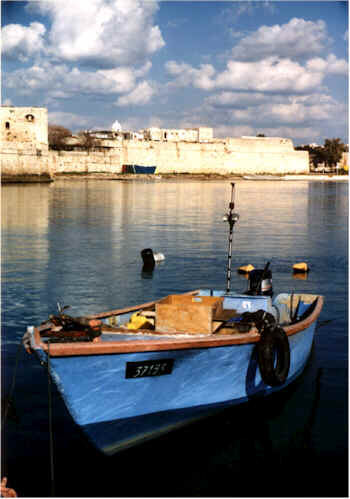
(158, 257)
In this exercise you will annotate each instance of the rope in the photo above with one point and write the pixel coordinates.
(13, 383)
(52, 474)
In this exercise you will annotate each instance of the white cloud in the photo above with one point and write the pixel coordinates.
(296, 133)
(186, 75)
(141, 95)
(104, 33)
(230, 15)
(68, 120)
(272, 74)
(100, 49)
(268, 75)
(119, 80)
(22, 42)
(58, 80)
(245, 108)
(224, 131)
(61, 81)
(296, 39)
(331, 65)
(228, 100)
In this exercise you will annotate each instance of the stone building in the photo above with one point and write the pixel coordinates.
(24, 143)
(24, 125)
(201, 134)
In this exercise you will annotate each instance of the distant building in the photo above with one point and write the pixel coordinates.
(103, 134)
(201, 134)
(115, 134)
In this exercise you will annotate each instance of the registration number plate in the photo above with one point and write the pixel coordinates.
(144, 368)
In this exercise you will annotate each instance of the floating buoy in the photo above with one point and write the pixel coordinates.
(245, 269)
(301, 267)
(158, 257)
(149, 258)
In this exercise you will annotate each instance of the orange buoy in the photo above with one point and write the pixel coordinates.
(245, 269)
(301, 267)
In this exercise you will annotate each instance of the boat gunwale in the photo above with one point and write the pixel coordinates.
(98, 347)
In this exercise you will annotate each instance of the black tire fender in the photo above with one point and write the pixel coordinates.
(273, 356)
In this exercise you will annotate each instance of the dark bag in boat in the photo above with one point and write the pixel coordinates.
(260, 319)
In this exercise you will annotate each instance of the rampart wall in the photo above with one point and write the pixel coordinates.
(108, 161)
(22, 162)
(25, 154)
(236, 156)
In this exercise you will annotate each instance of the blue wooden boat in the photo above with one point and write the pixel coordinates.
(131, 374)
(123, 386)
(139, 169)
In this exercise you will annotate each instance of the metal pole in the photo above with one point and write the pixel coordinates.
(231, 222)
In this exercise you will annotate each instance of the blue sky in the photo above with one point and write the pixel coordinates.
(243, 68)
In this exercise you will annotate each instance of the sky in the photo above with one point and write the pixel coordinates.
(244, 68)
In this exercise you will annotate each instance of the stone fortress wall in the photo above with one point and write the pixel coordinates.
(24, 143)
(227, 156)
(25, 153)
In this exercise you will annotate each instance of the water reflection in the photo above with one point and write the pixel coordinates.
(25, 251)
(300, 276)
(25, 207)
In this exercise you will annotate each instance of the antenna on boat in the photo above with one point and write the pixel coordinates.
(231, 218)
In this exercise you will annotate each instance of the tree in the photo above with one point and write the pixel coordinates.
(317, 155)
(57, 134)
(87, 141)
(333, 150)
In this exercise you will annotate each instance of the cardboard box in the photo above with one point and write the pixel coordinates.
(187, 313)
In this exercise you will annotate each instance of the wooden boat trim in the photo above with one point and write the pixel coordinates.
(98, 347)
(296, 328)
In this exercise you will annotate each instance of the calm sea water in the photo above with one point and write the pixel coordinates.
(79, 242)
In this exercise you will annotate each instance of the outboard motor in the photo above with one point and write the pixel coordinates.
(260, 283)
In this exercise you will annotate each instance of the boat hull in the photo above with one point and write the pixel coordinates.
(139, 169)
(117, 412)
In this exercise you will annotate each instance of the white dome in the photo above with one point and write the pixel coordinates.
(116, 127)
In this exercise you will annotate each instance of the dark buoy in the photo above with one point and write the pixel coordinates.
(148, 260)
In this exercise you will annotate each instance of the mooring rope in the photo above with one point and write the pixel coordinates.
(13, 384)
(52, 470)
